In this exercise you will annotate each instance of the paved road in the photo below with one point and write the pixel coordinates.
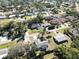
(3, 52)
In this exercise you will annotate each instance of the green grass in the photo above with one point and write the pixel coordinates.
(35, 30)
(48, 56)
(7, 45)
(27, 17)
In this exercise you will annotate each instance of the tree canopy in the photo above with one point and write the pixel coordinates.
(67, 53)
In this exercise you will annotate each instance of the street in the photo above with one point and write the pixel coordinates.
(3, 52)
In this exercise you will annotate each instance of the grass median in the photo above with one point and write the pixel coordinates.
(7, 45)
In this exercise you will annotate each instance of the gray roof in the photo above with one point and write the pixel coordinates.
(41, 44)
(74, 32)
(45, 25)
(35, 26)
(60, 37)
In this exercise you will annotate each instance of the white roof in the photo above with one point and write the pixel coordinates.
(60, 37)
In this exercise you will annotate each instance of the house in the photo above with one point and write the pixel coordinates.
(29, 14)
(70, 18)
(35, 11)
(65, 4)
(32, 15)
(2, 17)
(21, 20)
(59, 38)
(34, 25)
(21, 15)
(45, 25)
(12, 16)
(41, 44)
(55, 19)
(3, 40)
(45, 13)
(74, 32)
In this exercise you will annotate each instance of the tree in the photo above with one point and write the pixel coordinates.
(67, 53)
(55, 10)
(40, 17)
(75, 43)
(16, 52)
(13, 29)
(38, 6)
(17, 30)
(21, 51)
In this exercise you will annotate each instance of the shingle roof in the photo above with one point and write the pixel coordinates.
(41, 44)
(55, 20)
(60, 37)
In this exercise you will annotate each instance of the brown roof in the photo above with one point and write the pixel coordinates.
(55, 20)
